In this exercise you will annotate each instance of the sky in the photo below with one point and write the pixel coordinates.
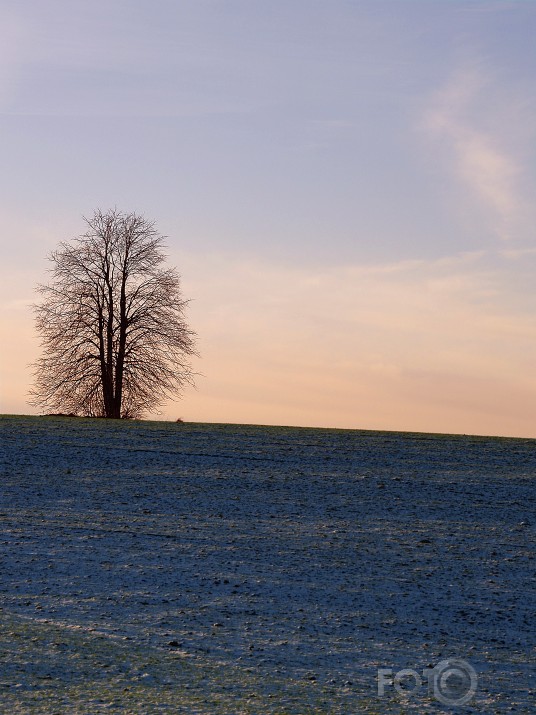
(347, 188)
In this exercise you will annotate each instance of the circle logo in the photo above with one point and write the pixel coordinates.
(455, 681)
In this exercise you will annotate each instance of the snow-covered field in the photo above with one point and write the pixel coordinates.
(151, 567)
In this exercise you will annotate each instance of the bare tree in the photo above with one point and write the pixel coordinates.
(114, 339)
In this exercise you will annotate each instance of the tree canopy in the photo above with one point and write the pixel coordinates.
(114, 338)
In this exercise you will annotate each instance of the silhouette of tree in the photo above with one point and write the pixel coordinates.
(114, 338)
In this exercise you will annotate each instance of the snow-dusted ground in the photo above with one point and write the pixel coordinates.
(156, 567)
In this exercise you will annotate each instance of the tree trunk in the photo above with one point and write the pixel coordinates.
(107, 388)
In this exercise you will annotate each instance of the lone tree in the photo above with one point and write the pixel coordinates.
(115, 342)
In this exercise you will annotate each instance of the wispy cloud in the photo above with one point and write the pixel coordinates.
(460, 114)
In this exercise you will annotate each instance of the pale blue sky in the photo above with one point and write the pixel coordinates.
(308, 147)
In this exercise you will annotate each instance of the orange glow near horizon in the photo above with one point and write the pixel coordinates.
(413, 347)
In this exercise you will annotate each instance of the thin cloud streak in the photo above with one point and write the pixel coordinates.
(483, 164)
